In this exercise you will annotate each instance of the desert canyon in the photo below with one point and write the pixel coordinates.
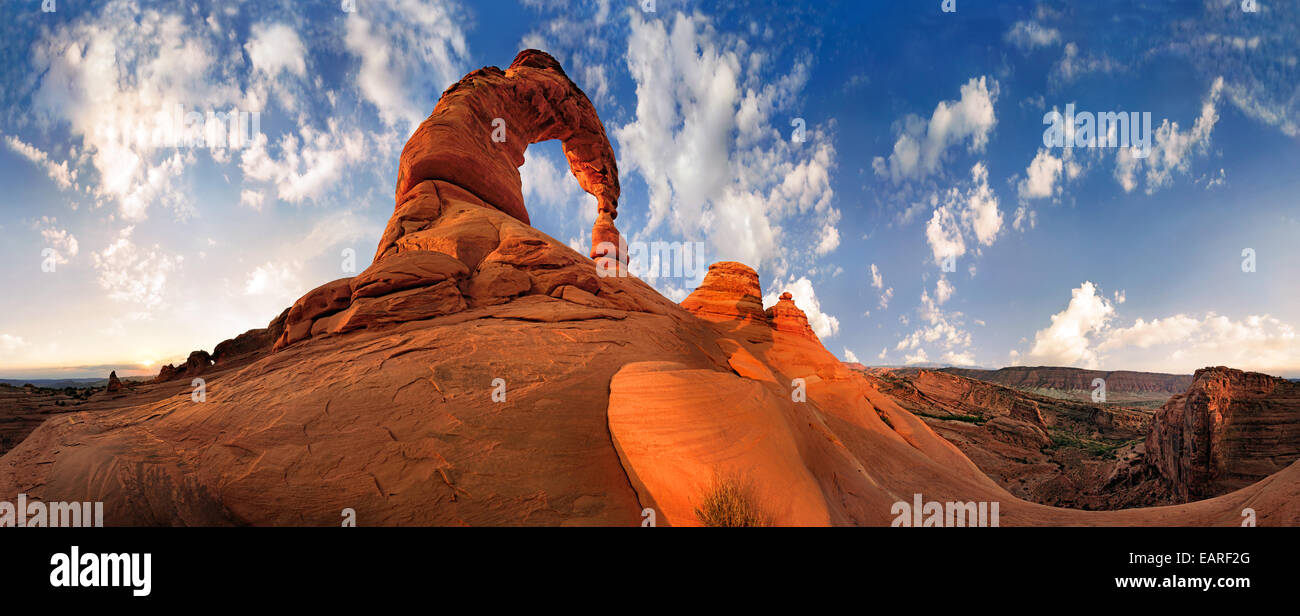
(480, 372)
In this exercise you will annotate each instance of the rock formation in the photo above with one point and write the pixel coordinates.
(729, 292)
(475, 141)
(441, 253)
(250, 343)
(787, 317)
(1229, 430)
(113, 383)
(479, 372)
(1078, 379)
(197, 363)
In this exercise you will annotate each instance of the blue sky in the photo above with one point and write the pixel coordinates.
(923, 140)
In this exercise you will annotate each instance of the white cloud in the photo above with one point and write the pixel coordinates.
(1172, 148)
(966, 211)
(410, 51)
(943, 290)
(878, 281)
(944, 235)
(133, 274)
(121, 121)
(805, 297)
(63, 176)
(1082, 335)
(273, 278)
(1041, 176)
(922, 145)
(11, 344)
(849, 356)
(276, 47)
(310, 162)
(1074, 64)
(64, 243)
(1068, 340)
(1028, 35)
(942, 331)
(711, 140)
(251, 199)
(959, 359)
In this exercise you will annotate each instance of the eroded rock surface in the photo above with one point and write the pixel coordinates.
(1229, 430)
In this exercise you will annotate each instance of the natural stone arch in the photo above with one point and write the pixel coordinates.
(531, 101)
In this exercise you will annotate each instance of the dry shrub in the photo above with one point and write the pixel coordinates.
(731, 501)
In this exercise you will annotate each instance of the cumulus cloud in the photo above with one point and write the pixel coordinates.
(1042, 176)
(1172, 148)
(1068, 340)
(63, 243)
(922, 144)
(849, 356)
(805, 297)
(274, 48)
(1186, 342)
(1085, 335)
(969, 211)
(885, 296)
(712, 139)
(942, 331)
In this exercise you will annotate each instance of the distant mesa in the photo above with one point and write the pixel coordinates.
(1078, 379)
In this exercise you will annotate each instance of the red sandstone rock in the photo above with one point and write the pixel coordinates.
(730, 291)
(787, 317)
(1229, 430)
(113, 383)
(250, 343)
(197, 363)
(476, 136)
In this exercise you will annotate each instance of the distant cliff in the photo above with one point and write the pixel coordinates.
(1230, 429)
(1077, 379)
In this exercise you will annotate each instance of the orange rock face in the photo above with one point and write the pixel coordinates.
(476, 137)
(1229, 430)
(729, 292)
(787, 317)
(462, 159)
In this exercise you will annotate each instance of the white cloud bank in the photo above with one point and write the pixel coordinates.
(1084, 335)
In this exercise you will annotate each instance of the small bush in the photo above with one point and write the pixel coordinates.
(731, 502)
